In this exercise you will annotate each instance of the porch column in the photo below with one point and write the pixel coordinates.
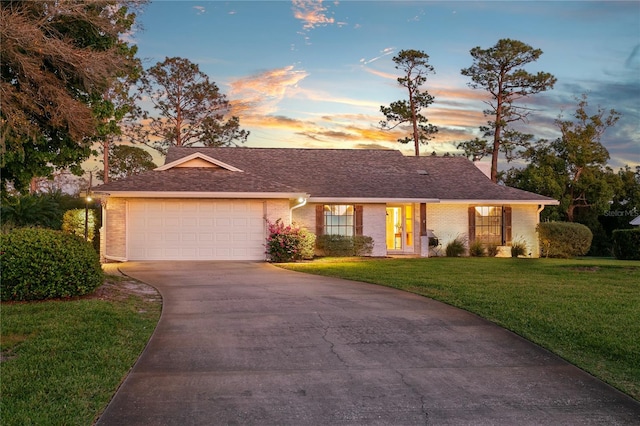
(424, 238)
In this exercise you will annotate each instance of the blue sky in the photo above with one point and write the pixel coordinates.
(307, 73)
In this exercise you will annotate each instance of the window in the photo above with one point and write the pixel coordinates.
(490, 225)
(339, 219)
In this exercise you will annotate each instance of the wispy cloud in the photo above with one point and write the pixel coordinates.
(200, 10)
(384, 52)
(262, 92)
(312, 13)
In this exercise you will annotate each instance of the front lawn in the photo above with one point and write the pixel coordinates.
(62, 361)
(585, 310)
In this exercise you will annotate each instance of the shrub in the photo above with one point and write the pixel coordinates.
(341, 245)
(32, 210)
(307, 244)
(626, 244)
(476, 249)
(43, 264)
(492, 250)
(73, 222)
(564, 239)
(288, 243)
(456, 248)
(518, 248)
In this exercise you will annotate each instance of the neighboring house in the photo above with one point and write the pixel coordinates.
(213, 203)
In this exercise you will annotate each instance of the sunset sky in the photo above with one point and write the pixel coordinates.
(314, 74)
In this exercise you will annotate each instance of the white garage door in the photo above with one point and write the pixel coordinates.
(195, 230)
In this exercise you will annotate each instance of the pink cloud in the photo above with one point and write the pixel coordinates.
(311, 12)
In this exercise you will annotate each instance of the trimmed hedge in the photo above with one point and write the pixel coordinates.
(626, 244)
(563, 239)
(343, 246)
(45, 264)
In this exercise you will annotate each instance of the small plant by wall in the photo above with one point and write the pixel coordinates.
(476, 249)
(518, 248)
(456, 247)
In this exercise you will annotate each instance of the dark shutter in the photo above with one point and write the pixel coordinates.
(472, 224)
(423, 219)
(319, 219)
(506, 225)
(358, 211)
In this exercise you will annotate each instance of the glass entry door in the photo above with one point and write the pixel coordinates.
(399, 229)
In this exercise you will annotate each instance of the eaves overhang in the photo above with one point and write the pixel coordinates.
(499, 201)
(372, 200)
(187, 194)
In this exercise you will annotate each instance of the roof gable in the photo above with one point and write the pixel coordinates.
(198, 159)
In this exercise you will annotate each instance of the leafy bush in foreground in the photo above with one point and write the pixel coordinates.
(44, 264)
(564, 239)
(626, 244)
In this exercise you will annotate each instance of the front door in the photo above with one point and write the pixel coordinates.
(399, 229)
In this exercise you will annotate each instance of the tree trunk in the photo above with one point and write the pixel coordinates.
(105, 160)
(414, 121)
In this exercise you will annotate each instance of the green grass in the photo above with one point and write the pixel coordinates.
(62, 361)
(585, 310)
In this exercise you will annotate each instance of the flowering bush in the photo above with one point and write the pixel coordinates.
(289, 243)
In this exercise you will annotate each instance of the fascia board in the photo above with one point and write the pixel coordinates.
(497, 201)
(225, 195)
(371, 200)
(200, 156)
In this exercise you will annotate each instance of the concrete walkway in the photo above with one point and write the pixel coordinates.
(242, 343)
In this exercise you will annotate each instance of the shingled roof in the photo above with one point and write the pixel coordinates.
(324, 174)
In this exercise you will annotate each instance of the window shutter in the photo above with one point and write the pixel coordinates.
(358, 211)
(319, 219)
(472, 224)
(423, 219)
(506, 225)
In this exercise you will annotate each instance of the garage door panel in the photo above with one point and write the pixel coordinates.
(195, 230)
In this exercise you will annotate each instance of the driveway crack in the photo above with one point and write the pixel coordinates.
(332, 345)
(423, 401)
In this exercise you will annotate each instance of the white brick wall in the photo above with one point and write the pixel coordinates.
(450, 220)
(374, 218)
(524, 219)
(277, 209)
(115, 244)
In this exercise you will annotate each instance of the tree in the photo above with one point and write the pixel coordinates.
(499, 71)
(127, 160)
(572, 168)
(118, 115)
(191, 108)
(58, 57)
(415, 66)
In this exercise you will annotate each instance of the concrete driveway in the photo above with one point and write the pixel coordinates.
(243, 343)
